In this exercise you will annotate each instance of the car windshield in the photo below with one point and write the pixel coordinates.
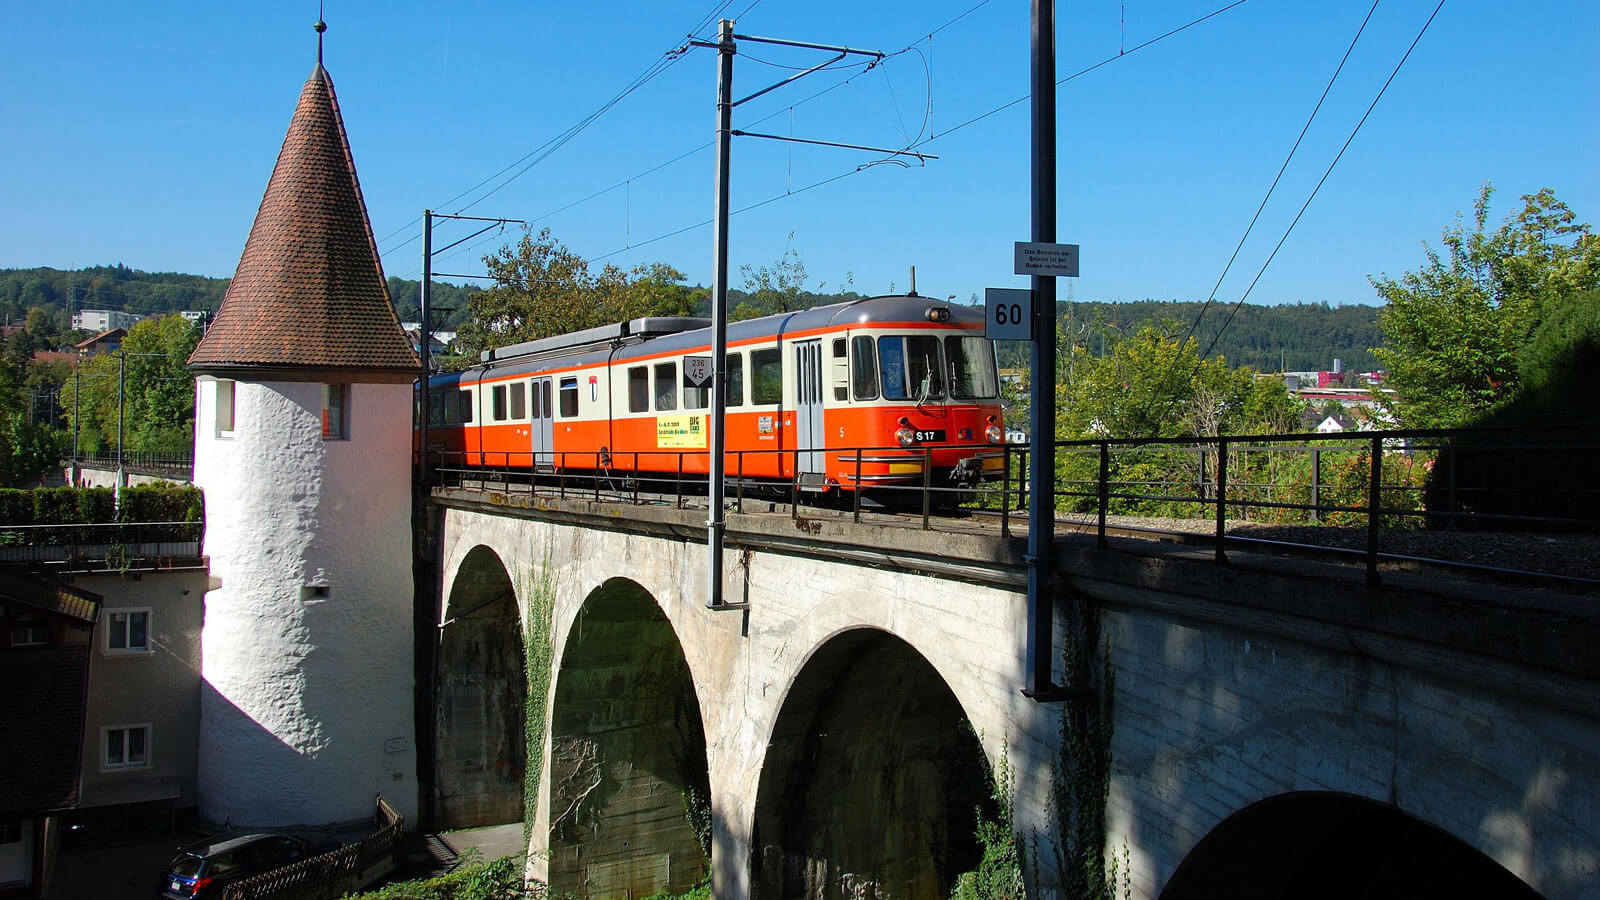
(187, 865)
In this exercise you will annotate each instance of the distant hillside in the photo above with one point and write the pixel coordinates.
(153, 293)
(1297, 337)
(1292, 337)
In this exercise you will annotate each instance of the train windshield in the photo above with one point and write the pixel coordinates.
(972, 372)
(910, 366)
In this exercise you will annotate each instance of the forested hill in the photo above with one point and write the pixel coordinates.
(1296, 337)
(1291, 338)
(152, 293)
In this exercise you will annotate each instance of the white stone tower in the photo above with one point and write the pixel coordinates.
(303, 447)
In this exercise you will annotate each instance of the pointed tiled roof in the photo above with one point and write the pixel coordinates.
(309, 292)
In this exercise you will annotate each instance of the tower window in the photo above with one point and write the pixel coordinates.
(335, 412)
(224, 407)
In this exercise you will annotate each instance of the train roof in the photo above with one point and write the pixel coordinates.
(652, 335)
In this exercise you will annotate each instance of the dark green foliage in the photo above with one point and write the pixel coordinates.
(1297, 337)
(80, 506)
(998, 875)
(495, 880)
(162, 503)
(538, 660)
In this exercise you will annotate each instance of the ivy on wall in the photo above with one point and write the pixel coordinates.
(538, 658)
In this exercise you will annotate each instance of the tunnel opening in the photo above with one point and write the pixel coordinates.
(629, 794)
(1326, 845)
(482, 691)
(874, 782)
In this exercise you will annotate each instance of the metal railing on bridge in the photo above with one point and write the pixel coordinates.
(174, 462)
(1516, 505)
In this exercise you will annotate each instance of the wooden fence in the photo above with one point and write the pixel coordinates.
(331, 874)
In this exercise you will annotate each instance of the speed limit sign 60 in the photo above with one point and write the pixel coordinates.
(1008, 314)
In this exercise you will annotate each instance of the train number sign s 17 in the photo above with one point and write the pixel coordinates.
(1008, 314)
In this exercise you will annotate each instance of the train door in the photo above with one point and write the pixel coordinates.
(810, 435)
(541, 424)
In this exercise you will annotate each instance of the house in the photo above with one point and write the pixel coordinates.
(46, 631)
(100, 320)
(104, 342)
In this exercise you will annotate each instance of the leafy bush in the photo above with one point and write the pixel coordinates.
(495, 880)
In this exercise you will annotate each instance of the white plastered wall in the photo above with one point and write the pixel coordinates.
(306, 700)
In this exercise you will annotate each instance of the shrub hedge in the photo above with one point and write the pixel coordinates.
(70, 506)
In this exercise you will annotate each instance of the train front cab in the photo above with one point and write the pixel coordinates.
(916, 397)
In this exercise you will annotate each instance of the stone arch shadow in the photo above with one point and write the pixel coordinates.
(873, 781)
(481, 688)
(1322, 844)
(628, 794)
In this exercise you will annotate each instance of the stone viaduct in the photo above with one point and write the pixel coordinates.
(1263, 728)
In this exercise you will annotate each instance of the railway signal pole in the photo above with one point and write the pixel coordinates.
(726, 46)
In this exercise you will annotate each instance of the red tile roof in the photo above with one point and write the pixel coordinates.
(309, 292)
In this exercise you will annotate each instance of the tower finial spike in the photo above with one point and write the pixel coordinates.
(321, 26)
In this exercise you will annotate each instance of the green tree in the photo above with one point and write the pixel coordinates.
(1454, 330)
(541, 288)
(158, 393)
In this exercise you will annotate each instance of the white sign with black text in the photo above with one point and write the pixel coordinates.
(1033, 258)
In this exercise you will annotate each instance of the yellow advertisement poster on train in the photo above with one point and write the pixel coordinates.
(686, 432)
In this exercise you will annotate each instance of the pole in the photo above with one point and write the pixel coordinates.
(426, 330)
(715, 524)
(122, 380)
(1042, 414)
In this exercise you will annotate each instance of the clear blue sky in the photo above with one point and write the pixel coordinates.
(145, 133)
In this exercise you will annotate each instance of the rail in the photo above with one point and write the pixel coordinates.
(331, 874)
(177, 462)
(103, 546)
(1517, 505)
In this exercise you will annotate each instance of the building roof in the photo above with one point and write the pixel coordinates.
(113, 334)
(49, 596)
(309, 292)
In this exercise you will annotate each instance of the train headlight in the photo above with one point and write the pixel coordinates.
(938, 314)
(904, 435)
(994, 434)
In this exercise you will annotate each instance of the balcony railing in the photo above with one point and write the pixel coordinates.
(104, 546)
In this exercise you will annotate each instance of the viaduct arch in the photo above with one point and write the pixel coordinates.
(1218, 707)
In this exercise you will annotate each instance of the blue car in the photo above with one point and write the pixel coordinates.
(203, 869)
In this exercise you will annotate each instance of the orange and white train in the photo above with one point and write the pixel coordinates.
(847, 396)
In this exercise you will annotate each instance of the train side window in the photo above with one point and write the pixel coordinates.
(497, 402)
(550, 408)
(638, 389)
(766, 376)
(519, 401)
(464, 407)
(666, 386)
(840, 370)
(569, 396)
(863, 369)
(539, 412)
(443, 409)
(735, 364)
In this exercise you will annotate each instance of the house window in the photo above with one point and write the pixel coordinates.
(126, 747)
(335, 412)
(569, 397)
(224, 407)
(30, 634)
(128, 631)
